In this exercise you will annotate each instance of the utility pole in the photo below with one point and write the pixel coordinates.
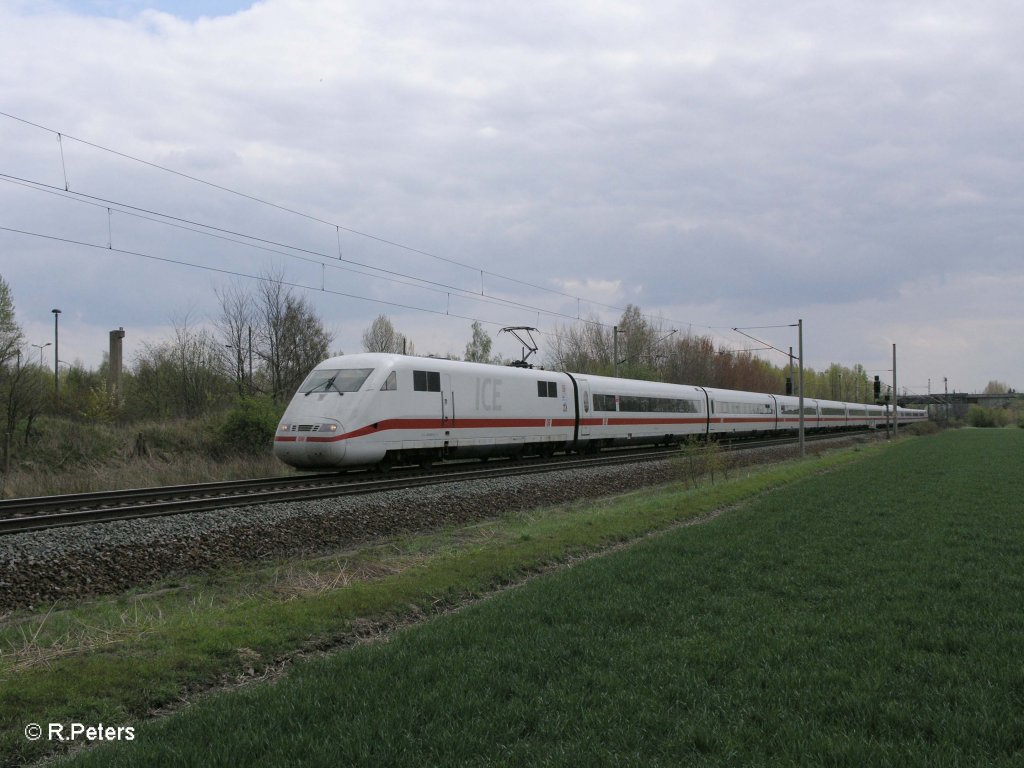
(250, 391)
(800, 351)
(800, 347)
(790, 371)
(615, 351)
(895, 396)
(615, 348)
(56, 357)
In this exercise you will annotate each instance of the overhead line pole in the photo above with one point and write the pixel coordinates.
(800, 352)
(615, 351)
(895, 396)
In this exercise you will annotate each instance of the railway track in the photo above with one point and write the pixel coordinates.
(40, 513)
(19, 515)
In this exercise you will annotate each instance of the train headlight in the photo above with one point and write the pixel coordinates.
(282, 428)
(329, 428)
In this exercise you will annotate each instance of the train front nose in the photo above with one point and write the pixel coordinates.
(310, 444)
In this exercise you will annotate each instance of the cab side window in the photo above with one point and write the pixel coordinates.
(391, 383)
(426, 381)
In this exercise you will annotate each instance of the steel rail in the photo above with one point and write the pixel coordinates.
(92, 499)
(329, 490)
(201, 497)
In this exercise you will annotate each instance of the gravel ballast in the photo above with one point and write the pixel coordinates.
(39, 568)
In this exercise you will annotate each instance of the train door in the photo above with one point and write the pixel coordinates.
(585, 406)
(447, 401)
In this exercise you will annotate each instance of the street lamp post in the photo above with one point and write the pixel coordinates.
(41, 347)
(56, 354)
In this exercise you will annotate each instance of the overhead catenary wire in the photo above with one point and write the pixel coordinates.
(235, 273)
(338, 227)
(274, 247)
(292, 251)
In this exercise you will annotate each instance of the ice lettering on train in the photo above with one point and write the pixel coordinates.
(488, 394)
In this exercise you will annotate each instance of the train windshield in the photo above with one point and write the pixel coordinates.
(345, 380)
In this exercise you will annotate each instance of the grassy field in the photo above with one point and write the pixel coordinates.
(75, 456)
(865, 616)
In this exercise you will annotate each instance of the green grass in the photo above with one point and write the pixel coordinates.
(114, 660)
(865, 616)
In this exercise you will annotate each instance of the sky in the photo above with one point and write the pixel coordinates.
(859, 166)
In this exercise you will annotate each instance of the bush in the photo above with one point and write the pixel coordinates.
(169, 438)
(921, 428)
(702, 458)
(250, 425)
(978, 416)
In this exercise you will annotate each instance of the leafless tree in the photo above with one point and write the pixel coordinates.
(584, 347)
(381, 336)
(291, 339)
(22, 388)
(478, 350)
(182, 376)
(235, 328)
(11, 337)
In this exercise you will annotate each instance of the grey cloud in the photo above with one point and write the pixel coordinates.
(740, 156)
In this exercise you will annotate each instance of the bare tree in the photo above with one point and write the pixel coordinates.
(583, 347)
(180, 377)
(235, 327)
(17, 392)
(292, 339)
(638, 347)
(21, 388)
(478, 350)
(648, 350)
(381, 336)
(11, 338)
(197, 357)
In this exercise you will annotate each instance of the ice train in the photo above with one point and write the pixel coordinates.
(372, 408)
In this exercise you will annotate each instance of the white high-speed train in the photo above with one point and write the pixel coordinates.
(370, 408)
